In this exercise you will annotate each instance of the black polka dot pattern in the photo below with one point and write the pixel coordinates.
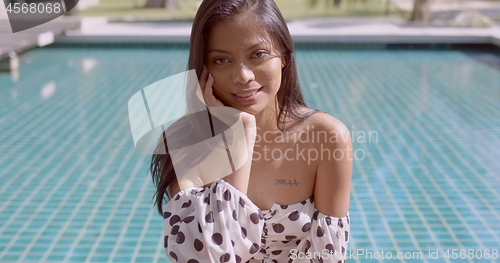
(180, 238)
(186, 204)
(278, 228)
(201, 224)
(173, 255)
(254, 248)
(198, 245)
(243, 232)
(320, 231)
(294, 216)
(209, 218)
(175, 230)
(227, 195)
(166, 215)
(219, 206)
(235, 215)
(330, 247)
(174, 219)
(188, 219)
(217, 239)
(254, 217)
(306, 227)
(225, 258)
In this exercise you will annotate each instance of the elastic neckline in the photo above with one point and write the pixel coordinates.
(307, 200)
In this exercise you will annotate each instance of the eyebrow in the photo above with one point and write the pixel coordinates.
(227, 52)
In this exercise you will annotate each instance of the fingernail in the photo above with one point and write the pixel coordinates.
(209, 75)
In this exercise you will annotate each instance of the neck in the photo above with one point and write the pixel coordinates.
(266, 119)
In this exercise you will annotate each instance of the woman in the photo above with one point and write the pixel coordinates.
(289, 203)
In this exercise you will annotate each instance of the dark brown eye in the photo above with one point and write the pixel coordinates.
(259, 54)
(219, 62)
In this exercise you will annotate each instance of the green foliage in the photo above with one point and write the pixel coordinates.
(124, 10)
(292, 9)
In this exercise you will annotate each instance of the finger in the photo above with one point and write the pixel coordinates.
(203, 85)
(207, 92)
(211, 98)
(203, 77)
(214, 102)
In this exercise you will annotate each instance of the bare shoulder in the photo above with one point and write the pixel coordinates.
(324, 122)
(334, 170)
(173, 188)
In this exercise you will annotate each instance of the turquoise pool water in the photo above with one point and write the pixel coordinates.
(426, 178)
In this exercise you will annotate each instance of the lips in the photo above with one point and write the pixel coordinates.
(247, 93)
(247, 96)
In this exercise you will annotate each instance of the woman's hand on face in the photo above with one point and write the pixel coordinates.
(249, 122)
(207, 90)
(239, 178)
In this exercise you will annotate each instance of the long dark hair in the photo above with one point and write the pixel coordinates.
(289, 96)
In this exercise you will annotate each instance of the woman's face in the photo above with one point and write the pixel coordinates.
(245, 67)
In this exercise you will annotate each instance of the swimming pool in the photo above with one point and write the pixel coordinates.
(425, 125)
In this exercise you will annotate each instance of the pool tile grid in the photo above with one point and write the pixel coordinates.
(357, 209)
(451, 114)
(51, 121)
(486, 81)
(471, 207)
(54, 171)
(143, 190)
(10, 145)
(459, 173)
(61, 120)
(459, 191)
(14, 195)
(376, 202)
(484, 201)
(123, 142)
(428, 199)
(41, 138)
(370, 193)
(158, 236)
(150, 214)
(453, 135)
(397, 199)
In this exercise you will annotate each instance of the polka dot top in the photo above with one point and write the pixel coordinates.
(221, 224)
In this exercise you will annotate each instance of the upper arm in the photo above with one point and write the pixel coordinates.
(334, 172)
(173, 188)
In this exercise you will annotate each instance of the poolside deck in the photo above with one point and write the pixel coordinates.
(74, 189)
(328, 30)
(34, 37)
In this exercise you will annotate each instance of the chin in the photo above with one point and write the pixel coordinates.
(252, 109)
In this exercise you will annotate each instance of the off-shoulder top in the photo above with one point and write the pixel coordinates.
(221, 224)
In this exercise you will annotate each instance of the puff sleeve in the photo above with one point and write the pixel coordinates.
(197, 224)
(328, 237)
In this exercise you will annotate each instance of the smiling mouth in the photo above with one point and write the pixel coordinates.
(248, 94)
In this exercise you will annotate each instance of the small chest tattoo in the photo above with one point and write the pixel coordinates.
(287, 182)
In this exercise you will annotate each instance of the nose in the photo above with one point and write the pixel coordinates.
(242, 74)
